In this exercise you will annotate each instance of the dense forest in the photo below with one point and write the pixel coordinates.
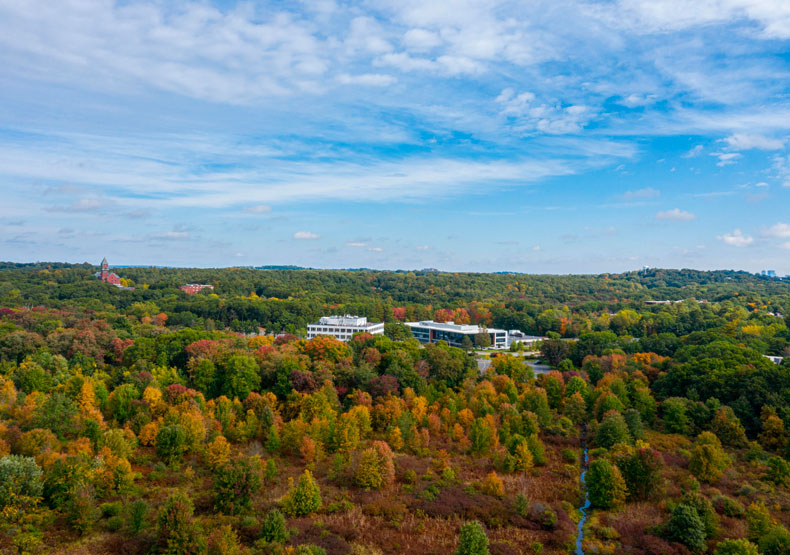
(147, 420)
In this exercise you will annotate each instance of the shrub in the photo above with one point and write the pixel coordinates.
(375, 467)
(493, 485)
(705, 511)
(110, 509)
(217, 452)
(223, 541)
(20, 481)
(274, 528)
(304, 498)
(522, 504)
(177, 533)
(81, 510)
(728, 506)
(736, 547)
(271, 471)
(119, 444)
(605, 485)
(758, 520)
(778, 471)
(472, 539)
(686, 527)
(138, 511)
(171, 443)
(234, 485)
(775, 542)
(708, 460)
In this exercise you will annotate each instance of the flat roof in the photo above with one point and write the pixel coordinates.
(452, 326)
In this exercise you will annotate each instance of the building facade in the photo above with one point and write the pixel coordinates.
(195, 288)
(428, 331)
(106, 276)
(343, 327)
(528, 341)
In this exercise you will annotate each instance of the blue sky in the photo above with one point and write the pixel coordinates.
(545, 137)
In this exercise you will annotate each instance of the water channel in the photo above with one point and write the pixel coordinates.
(585, 506)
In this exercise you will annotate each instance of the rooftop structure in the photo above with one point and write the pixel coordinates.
(195, 288)
(343, 327)
(108, 277)
(428, 331)
(519, 336)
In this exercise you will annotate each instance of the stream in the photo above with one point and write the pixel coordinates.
(584, 507)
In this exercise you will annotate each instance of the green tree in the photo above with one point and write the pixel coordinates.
(304, 498)
(483, 340)
(241, 376)
(274, 528)
(481, 436)
(736, 547)
(775, 542)
(171, 443)
(472, 539)
(686, 527)
(605, 485)
(612, 430)
(234, 485)
(177, 532)
(676, 421)
(642, 473)
(708, 461)
(21, 481)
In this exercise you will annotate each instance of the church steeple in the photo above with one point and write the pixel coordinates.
(105, 269)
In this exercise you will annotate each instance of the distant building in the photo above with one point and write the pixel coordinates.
(768, 273)
(774, 359)
(343, 327)
(106, 276)
(519, 336)
(195, 288)
(428, 331)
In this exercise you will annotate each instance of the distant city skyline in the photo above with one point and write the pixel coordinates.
(542, 137)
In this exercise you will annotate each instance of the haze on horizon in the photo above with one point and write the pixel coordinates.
(545, 137)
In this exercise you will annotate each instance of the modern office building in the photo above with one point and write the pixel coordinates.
(429, 331)
(343, 327)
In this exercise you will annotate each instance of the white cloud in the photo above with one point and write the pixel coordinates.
(637, 100)
(726, 158)
(367, 79)
(736, 238)
(421, 40)
(779, 230)
(641, 194)
(785, 246)
(305, 235)
(694, 152)
(676, 215)
(171, 236)
(356, 244)
(743, 141)
(530, 116)
(376, 249)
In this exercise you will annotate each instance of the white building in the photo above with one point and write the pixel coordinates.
(526, 340)
(428, 331)
(343, 327)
